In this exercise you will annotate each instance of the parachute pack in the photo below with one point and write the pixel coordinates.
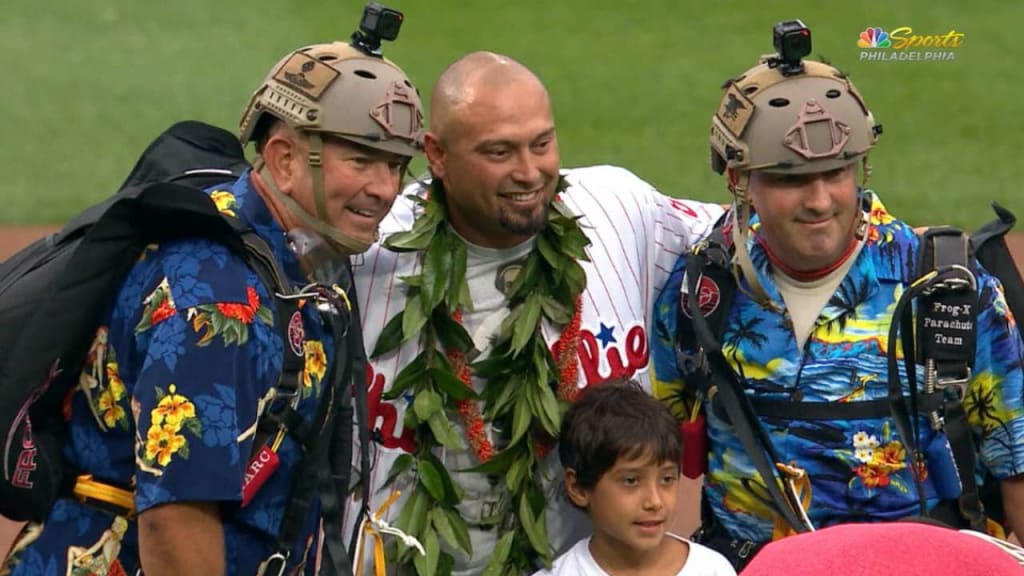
(54, 293)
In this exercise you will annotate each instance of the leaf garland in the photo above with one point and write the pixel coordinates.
(521, 376)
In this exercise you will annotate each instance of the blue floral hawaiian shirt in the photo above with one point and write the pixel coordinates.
(857, 468)
(167, 403)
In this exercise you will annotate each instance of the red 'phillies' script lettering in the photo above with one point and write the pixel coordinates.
(637, 354)
(384, 416)
(683, 208)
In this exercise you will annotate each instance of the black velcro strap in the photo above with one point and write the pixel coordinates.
(317, 474)
(962, 445)
(288, 323)
(866, 410)
(707, 292)
(287, 318)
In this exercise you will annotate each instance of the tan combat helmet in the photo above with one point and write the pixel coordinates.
(813, 121)
(335, 89)
(786, 115)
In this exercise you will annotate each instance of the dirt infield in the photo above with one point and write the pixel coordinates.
(14, 238)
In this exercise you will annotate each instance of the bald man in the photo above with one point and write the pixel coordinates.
(501, 198)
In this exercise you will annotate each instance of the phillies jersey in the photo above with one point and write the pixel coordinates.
(636, 235)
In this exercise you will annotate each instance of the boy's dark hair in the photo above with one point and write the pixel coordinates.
(611, 420)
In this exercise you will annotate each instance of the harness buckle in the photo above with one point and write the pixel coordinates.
(696, 363)
(953, 278)
(746, 548)
(958, 383)
(274, 565)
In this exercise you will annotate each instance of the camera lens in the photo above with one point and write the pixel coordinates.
(796, 45)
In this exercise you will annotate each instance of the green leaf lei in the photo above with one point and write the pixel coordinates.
(521, 382)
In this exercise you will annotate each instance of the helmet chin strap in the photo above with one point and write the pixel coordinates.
(743, 267)
(343, 242)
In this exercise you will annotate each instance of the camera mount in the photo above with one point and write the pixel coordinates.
(378, 23)
(792, 41)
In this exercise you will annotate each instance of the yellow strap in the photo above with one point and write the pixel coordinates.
(87, 488)
(277, 441)
(370, 529)
(344, 296)
(695, 409)
(995, 529)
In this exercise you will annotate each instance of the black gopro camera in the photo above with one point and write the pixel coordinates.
(792, 41)
(378, 23)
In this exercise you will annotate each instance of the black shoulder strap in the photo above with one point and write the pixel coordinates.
(707, 262)
(262, 259)
(947, 299)
(325, 464)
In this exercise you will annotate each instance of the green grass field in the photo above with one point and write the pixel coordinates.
(87, 83)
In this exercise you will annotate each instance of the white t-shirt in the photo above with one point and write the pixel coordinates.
(636, 235)
(578, 561)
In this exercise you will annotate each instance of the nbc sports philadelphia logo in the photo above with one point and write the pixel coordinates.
(904, 45)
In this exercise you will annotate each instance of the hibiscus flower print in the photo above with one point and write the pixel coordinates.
(162, 442)
(172, 409)
(108, 404)
(230, 320)
(316, 367)
(225, 201)
(113, 414)
(878, 461)
(173, 414)
(159, 306)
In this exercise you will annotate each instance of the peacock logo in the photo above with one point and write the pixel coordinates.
(874, 38)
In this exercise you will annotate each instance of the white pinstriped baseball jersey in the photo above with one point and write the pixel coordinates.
(636, 236)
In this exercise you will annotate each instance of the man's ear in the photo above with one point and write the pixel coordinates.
(435, 153)
(577, 494)
(282, 155)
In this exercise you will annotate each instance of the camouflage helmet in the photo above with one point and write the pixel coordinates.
(336, 89)
(810, 121)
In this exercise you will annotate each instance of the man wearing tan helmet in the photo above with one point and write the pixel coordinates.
(203, 422)
(776, 332)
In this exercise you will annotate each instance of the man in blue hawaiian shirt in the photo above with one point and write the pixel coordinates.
(820, 265)
(165, 413)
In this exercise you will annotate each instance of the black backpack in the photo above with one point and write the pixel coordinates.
(54, 292)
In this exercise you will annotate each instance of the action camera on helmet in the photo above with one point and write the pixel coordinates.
(378, 23)
(792, 42)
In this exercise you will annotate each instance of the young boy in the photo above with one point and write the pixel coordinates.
(621, 448)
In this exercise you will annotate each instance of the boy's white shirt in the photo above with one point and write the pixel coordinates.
(578, 561)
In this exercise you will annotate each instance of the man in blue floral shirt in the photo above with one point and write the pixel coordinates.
(820, 266)
(165, 413)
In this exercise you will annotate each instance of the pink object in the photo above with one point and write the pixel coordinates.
(898, 548)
